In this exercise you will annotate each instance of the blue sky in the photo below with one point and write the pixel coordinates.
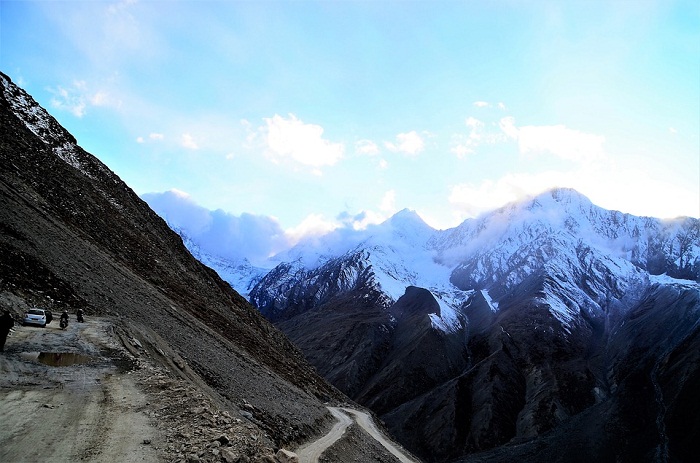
(307, 116)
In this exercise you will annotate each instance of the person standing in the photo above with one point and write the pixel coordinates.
(6, 324)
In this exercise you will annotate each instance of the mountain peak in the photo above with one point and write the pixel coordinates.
(554, 198)
(565, 196)
(407, 216)
(407, 223)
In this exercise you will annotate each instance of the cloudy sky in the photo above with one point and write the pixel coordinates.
(302, 116)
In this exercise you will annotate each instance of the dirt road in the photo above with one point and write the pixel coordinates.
(79, 395)
(311, 452)
(54, 411)
(367, 423)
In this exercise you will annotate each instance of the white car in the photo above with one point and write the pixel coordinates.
(35, 317)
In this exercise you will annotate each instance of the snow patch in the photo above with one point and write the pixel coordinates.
(493, 305)
(664, 279)
(448, 321)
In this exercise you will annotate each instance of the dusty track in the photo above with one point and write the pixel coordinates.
(367, 423)
(90, 411)
(116, 407)
(311, 452)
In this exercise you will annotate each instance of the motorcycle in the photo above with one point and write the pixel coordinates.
(63, 323)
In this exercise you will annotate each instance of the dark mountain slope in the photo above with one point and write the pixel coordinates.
(73, 235)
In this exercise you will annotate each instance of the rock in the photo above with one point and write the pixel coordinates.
(229, 456)
(285, 456)
(223, 439)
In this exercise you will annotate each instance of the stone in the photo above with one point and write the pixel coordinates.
(229, 456)
(285, 456)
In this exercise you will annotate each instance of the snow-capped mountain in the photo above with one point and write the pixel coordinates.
(523, 325)
(593, 253)
(526, 304)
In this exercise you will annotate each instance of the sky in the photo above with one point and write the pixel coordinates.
(295, 118)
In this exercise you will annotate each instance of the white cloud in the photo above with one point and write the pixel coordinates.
(187, 141)
(461, 150)
(151, 136)
(290, 138)
(313, 226)
(388, 203)
(479, 133)
(672, 130)
(77, 98)
(481, 104)
(362, 220)
(410, 143)
(68, 100)
(558, 140)
(470, 200)
(367, 147)
(250, 236)
(474, 123)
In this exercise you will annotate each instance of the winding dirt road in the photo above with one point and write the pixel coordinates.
(311, 452)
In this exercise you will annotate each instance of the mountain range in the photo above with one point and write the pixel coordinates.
(550, 327)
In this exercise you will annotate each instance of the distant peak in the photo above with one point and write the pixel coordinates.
(408, 217)
(406, 214)
(562, 196)
(566, 195)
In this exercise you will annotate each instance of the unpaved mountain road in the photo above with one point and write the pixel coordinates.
(59, 412)
(78, 395)
(367, 423)
(311, 452)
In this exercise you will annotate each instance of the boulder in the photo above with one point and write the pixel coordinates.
(285, 456)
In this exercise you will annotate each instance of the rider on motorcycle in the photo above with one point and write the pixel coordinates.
(64, 319)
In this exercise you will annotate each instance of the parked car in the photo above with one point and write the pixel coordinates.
(35, 317)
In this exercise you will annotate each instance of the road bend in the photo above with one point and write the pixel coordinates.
(311, 452)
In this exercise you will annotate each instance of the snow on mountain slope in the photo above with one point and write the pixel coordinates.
(388, 257)
(590, 256)
(240, 274)
(38, 120)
